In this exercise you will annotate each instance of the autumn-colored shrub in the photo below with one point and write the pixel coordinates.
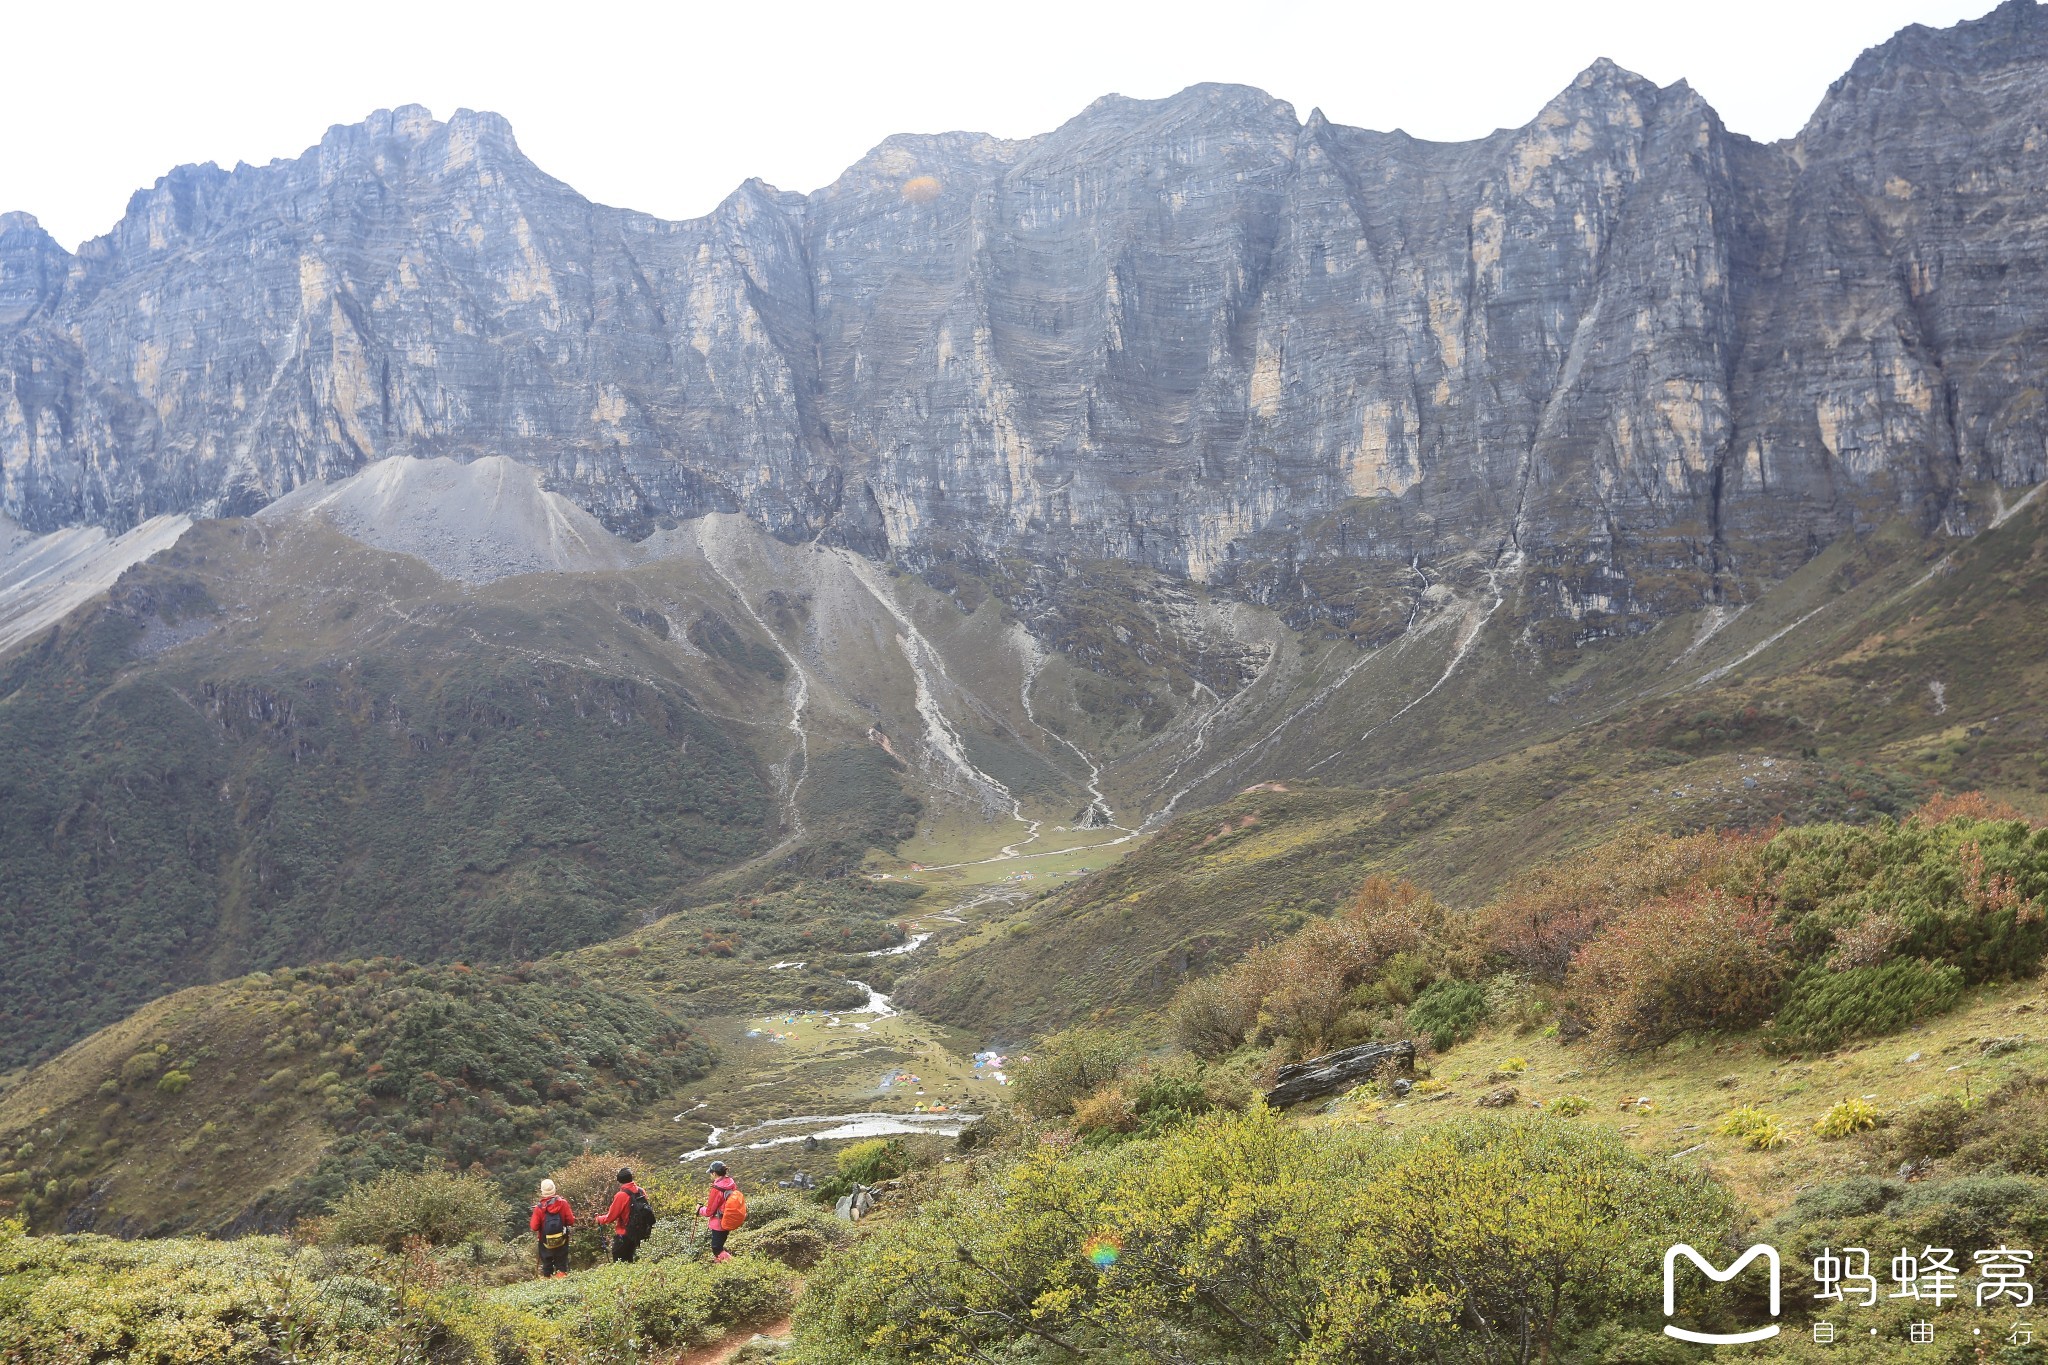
(1153, 1098)
(589, 1181)
(1396, 916)
(1943, 807)
(1068, 1068)
(1548, 915)
(1699, 960)
(1211, 1015)
(1105, 1111)
(1296, 991)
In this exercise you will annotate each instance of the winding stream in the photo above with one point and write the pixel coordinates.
(836, 1127)
(840, 1128)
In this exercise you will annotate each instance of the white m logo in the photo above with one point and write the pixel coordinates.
(1671, 1256)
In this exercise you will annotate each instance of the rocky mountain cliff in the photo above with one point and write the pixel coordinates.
(1638, 358)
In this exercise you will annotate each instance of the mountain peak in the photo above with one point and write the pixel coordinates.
(2012, 36)
(1607, 78)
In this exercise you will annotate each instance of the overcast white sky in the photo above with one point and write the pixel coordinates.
(667, 107)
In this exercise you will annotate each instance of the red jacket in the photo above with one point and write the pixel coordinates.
(558, 1205)
(715, 1201)
(622, 1202)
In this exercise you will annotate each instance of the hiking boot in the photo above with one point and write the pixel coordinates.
(559, 1275)
(723, 1256)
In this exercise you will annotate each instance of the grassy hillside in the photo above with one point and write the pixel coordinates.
(248, 1103)
(1814, 1038)
(1944, 678)
(1565, 1123)
(309, 779)
(238, 1105)
(1211, 885)
(1910, 678)
(462, 1292)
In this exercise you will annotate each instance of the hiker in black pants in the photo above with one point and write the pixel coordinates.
(725, 1208)
(631, 1217)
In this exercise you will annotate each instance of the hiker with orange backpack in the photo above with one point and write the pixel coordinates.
(725, 1208)
(551, 1221)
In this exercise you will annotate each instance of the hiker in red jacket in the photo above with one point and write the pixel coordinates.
(631, 1217)
(725, 1208)
(551, 1221)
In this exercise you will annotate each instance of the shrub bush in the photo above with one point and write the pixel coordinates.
(1976, 1210)
(1245, 1237)
(1855, 1197)
(874, 1160)
(140, 1067)
(669, 1303)
(1959, 890)
(257, 1300)
(1068, 1068)
(1448, 1011)
(589, 1181)
(1548, 915)
(1149, 1101)
(795, 1232)
(2009, 1132)
(1933, 1129)
(436, 1205)
(1568, 1106)
(1968, 1211)
(1211, 1015)
(1701, 960)
(2006, 1131)
(1105, 1114)
(1513, 1000)
(1297, 992)
(1406, 975)
(1167, 1094)
(1827, 1007)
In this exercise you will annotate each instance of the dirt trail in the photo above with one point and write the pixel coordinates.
(718, 1352)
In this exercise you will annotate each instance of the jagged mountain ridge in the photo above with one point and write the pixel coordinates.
(1637, 357)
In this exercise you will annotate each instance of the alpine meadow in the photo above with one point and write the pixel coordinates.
(1203, 737)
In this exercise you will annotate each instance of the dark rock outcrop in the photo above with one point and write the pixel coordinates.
(1340, 1070)
(1620, 352)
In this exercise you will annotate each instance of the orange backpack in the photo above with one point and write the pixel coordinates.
(733, 1211)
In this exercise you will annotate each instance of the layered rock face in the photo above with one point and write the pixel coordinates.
(1621, 352)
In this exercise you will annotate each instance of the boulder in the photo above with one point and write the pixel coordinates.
(1335, 1071)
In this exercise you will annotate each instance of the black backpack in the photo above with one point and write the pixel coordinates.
(553, 1232)
(639, 1216)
